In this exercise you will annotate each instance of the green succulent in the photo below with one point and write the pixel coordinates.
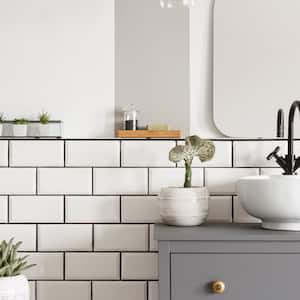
(10, 263)
(21, 121)
(1, 117)
(194, 146)
(44, 117)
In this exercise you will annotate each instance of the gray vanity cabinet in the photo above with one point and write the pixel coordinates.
(228, 262)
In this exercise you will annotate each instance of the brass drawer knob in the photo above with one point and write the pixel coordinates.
(218, 287)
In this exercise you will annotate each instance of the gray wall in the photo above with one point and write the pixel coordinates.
(152, 62)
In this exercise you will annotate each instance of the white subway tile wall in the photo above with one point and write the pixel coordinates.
(85, 209)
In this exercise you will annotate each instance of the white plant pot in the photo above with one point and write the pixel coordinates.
(20, 129)
(184, 206)
(1, 129)
(14, 288)
(45, 130)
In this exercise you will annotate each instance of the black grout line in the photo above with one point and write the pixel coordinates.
(91, 290)
(8, 153)
(137, 167)
(120, 210)
(37, 238)
(148, 181)
(64, 153)
(120, 145)
(93, 280)
(89, 251)
(120, 266)
(8, 209)
(93, 237)
(36, 290)
(149, 226)
(232, 208)
(147, 290)
(82, 223)
(64, 265)
(98, 195)
(64, 208)
(36, 181)
(225, 139)
(232, 154)
(93, 181)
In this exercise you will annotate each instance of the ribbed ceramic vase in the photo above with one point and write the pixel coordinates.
(183, 206)
(14, 288)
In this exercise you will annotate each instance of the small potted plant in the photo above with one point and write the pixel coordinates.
(187, 205)
(44, 119)
(20, 127)
(13, 285)
(1, 123)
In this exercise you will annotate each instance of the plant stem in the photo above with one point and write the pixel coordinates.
(188, 175)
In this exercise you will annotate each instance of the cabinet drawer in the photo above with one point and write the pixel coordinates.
(246, 276)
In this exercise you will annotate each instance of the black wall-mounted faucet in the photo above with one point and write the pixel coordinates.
(289, 163)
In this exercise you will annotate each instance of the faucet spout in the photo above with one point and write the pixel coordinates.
(290, 158)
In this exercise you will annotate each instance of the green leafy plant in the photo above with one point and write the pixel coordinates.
(21, 121)
(1, 117)
(44, 118)
(194, 146)
(10, 263)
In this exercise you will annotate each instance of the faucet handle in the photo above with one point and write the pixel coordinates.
(297, 164)
(274, 153)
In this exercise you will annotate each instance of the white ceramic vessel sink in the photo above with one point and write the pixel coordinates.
(273, 199)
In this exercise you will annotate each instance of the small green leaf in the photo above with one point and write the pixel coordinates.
(206, 150)
(177, 154)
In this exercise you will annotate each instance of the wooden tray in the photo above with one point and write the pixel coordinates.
(148, 134)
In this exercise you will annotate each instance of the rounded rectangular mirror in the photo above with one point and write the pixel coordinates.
(256, 64)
